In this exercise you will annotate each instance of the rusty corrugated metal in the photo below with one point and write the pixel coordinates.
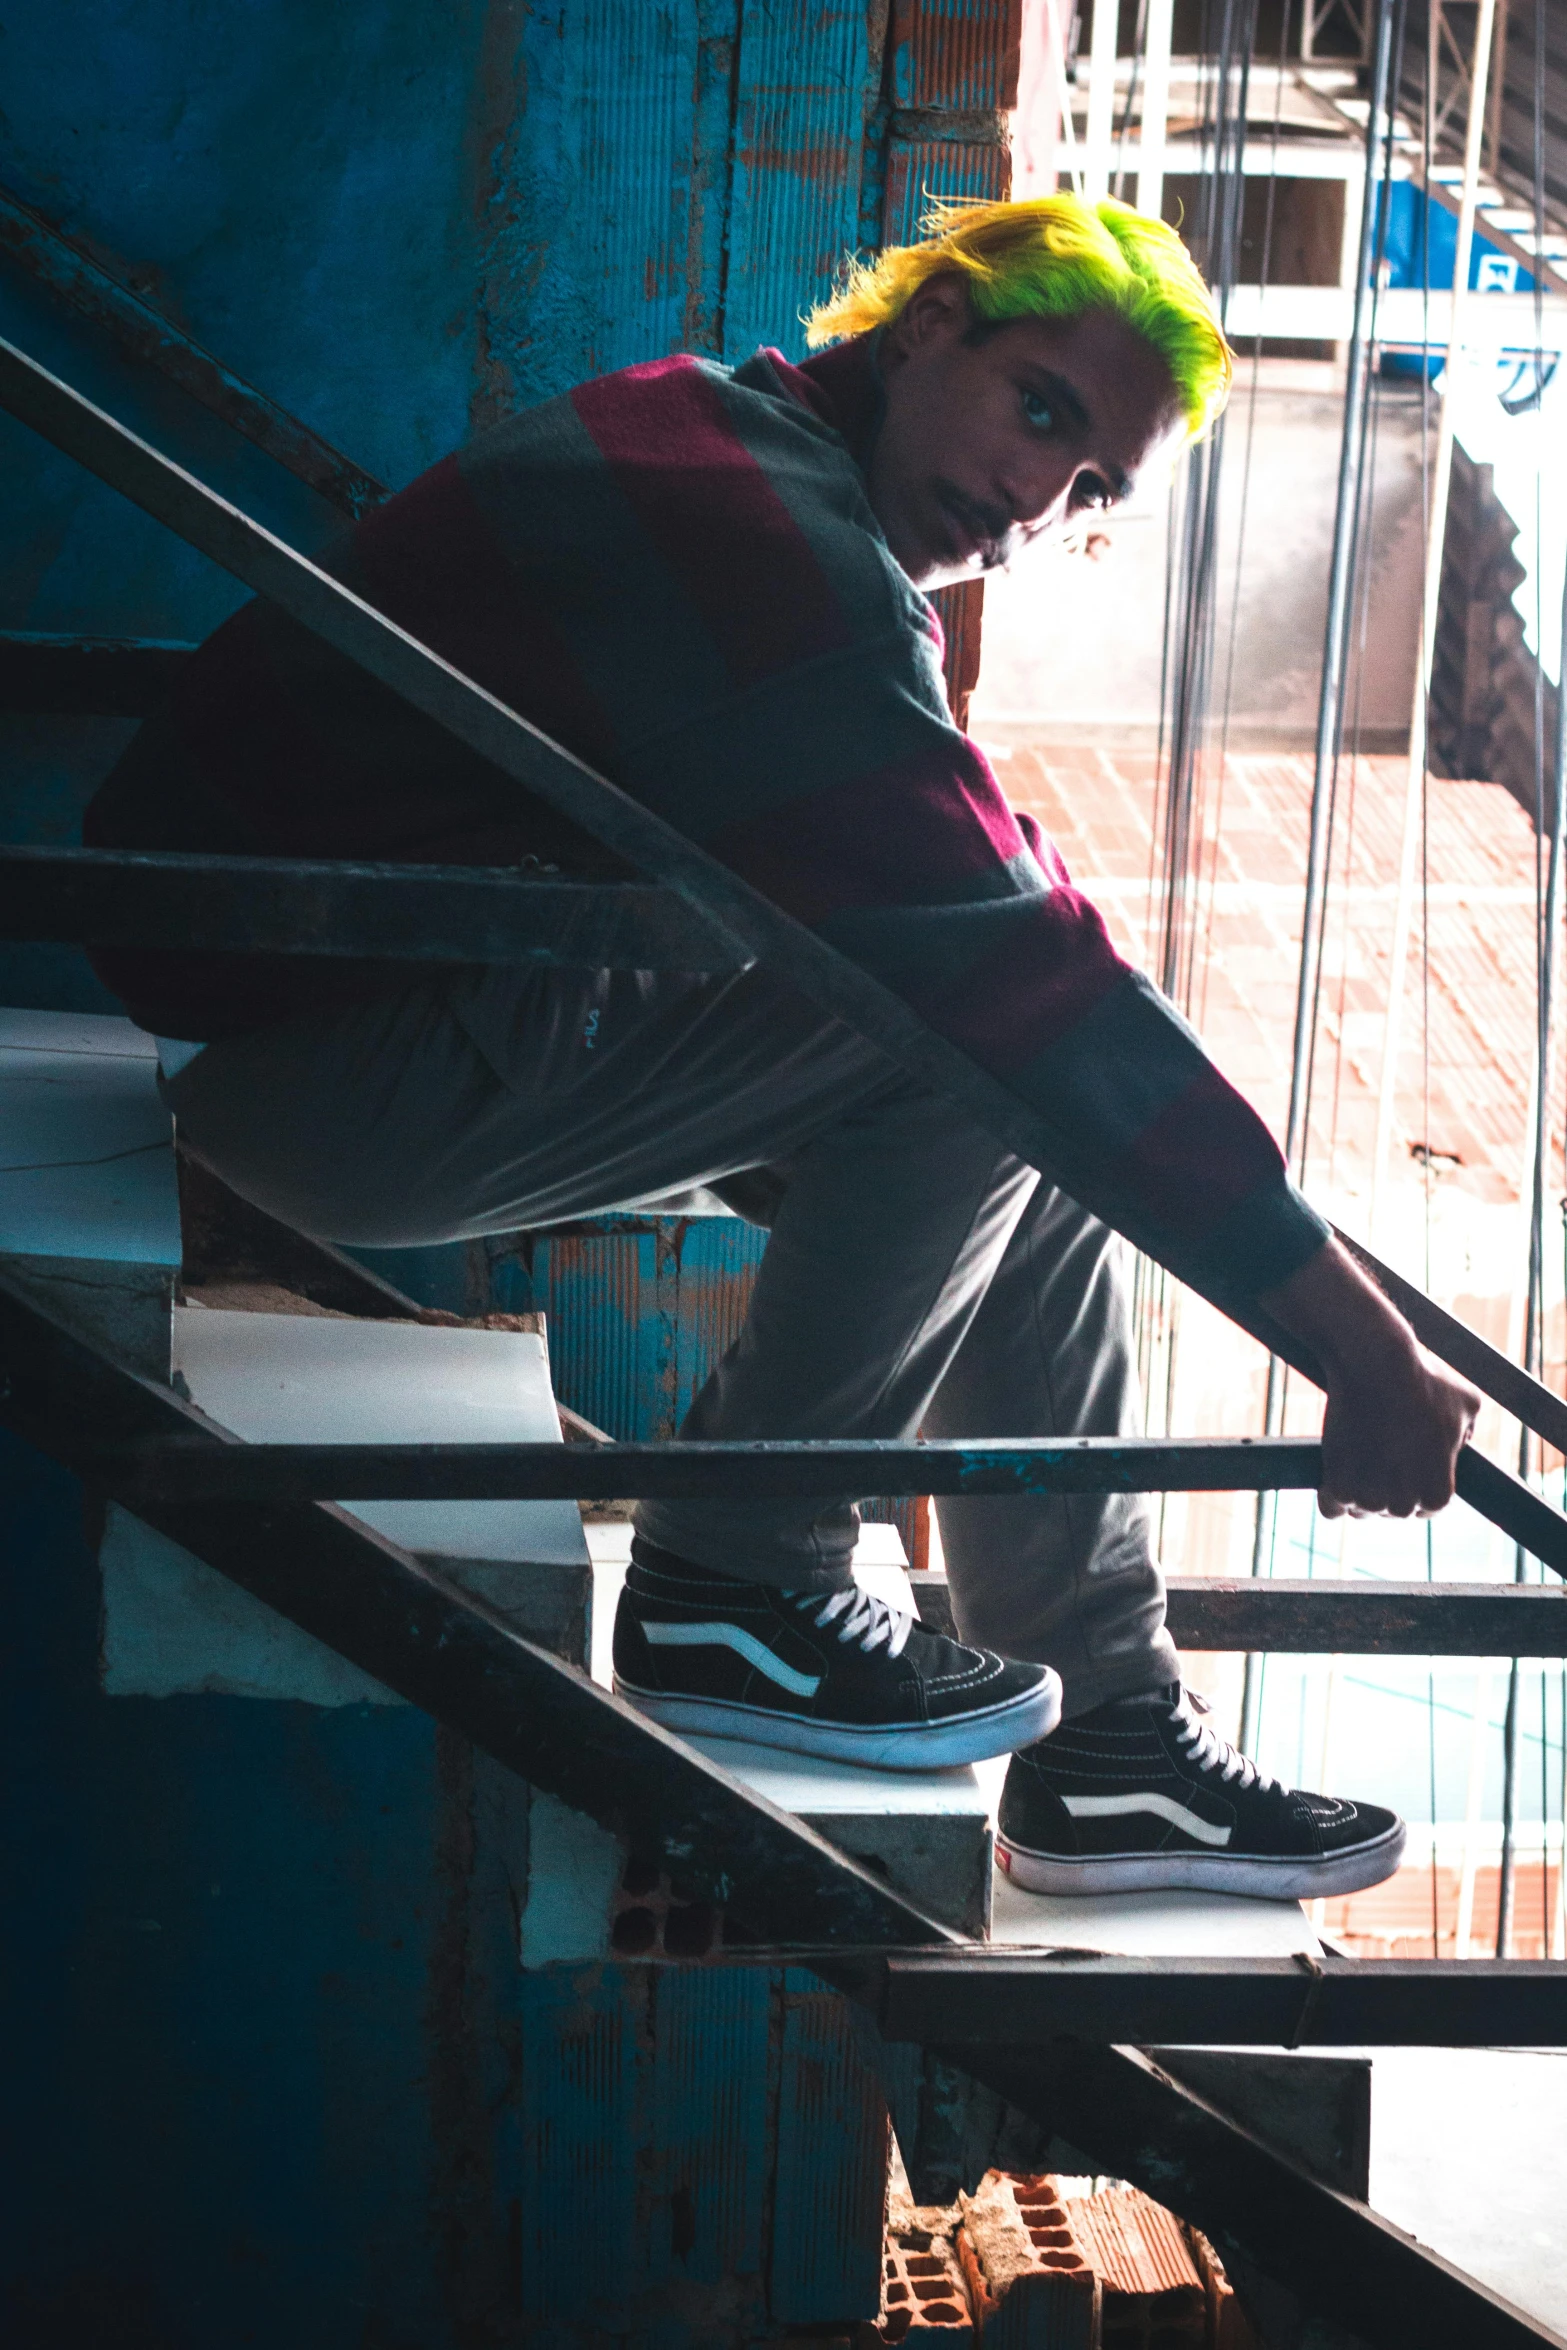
(604, 1355)
(595, 248)
(958, 54)
(710, 2124)
(715, 1273)
(576, 2189)
(830, 2189)
(640, 1312)
(806, 82)
(919, 170)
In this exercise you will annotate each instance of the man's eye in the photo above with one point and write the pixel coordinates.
(1038, 411)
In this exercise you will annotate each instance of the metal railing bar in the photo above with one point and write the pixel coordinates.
(374, 912)
(762, 1469)
(453, 1472)
(1311, 1617)
(996, 1993)
(1466, 1352)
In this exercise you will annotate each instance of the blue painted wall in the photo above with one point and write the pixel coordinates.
(280, 2077)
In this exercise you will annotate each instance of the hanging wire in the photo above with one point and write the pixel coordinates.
(1264, 274)
(1189, 637)
(1371, 245)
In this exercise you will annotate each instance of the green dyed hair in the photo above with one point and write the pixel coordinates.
(1053, 257)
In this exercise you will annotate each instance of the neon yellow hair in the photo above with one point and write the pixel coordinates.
(1053, 257)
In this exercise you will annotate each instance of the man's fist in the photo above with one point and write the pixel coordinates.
(1395, 1421)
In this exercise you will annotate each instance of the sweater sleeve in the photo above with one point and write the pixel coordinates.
(843, 792)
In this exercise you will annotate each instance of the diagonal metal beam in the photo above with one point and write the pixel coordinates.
(405, 1624)
(142, 333)
(1494, 1373)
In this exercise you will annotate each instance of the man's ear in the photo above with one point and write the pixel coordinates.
(937, 311)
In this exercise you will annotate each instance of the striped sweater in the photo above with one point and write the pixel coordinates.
(675, 570)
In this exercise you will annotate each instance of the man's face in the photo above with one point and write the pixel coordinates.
(990, 439)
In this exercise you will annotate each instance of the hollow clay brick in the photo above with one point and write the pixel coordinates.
(1229, 2328)
(1029, 2284)
(923, 2298)
(1153, 2291)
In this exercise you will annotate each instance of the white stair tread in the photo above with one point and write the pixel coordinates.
(1151, 1925)
(308, 1379)
(86, 1145)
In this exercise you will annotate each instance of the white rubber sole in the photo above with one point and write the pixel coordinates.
(1292, 1879)
(907, 1746)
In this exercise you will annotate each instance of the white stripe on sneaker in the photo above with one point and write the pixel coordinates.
(1105, 1807)
(746, 1644)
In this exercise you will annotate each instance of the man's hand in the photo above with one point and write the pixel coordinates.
(1395, 1420)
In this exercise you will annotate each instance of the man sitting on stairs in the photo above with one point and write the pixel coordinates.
(710, 583)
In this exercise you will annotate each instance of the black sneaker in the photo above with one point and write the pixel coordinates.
(834, 1673)
(1142, 1794)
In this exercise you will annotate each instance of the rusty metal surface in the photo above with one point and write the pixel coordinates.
(958, 54)
(804, 92)
(919, 170)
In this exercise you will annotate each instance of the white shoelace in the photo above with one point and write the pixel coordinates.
(868, 1623)
(1208, 1751)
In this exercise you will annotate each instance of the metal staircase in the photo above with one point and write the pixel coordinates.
(1056, 2036)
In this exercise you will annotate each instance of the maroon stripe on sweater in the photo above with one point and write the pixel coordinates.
(905, 835)
(714, 517)
(1055, 966)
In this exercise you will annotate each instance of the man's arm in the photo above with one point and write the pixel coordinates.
(1395, 1419)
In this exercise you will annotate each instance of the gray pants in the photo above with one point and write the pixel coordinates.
(917, 1275)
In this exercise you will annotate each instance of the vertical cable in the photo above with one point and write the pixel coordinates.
(1548, 811)
(1329, 735)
